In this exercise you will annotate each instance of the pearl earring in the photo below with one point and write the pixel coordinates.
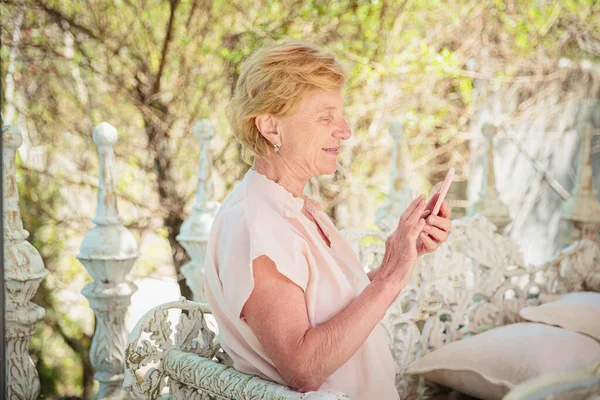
(276, 147)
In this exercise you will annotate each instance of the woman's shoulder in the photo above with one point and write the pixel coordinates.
(252, 226)
(251, 209)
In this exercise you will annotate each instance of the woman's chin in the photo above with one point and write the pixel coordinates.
(329, 169)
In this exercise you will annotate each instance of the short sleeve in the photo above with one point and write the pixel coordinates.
(245, 241)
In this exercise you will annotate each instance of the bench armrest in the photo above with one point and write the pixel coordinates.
(190, 361)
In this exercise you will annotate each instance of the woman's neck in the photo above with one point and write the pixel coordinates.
(281, 175)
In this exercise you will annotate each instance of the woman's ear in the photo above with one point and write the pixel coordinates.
(267, 126)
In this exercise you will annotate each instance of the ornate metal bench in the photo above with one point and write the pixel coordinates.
(474, 282)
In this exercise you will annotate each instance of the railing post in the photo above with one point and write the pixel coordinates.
(23, 272)
(108, 252)
(488, 204)
(194, 232)
(400, 195)
(583, 209)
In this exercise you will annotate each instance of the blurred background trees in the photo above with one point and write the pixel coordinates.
(152, 68)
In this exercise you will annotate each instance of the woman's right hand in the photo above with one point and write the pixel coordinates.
(401, 246)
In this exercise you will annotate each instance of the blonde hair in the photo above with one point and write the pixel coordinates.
(273, 79)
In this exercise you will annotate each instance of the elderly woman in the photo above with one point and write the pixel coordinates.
(292, 300)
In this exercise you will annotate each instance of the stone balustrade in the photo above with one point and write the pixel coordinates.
(400, 194)
(23, 272)
(108, 252)
(583, 209)
(194, 232)
(488, 203)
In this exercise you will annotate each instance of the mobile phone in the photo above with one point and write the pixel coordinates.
(443, 192)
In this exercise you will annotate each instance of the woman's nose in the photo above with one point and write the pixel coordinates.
(343, 132)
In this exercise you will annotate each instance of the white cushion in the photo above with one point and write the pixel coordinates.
(489, 364)
(579, 312)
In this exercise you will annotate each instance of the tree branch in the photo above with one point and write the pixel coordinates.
(90, 185)
(59, 16)
(165, 48)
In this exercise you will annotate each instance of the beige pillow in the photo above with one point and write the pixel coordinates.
(579, 312)
(489, 364)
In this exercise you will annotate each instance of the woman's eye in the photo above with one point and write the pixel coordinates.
(328, 119)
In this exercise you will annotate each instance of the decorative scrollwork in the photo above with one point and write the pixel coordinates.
(475, 281)
(190, 362)
(192, 335)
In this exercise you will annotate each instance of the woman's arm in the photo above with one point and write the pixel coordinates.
(304, 356)
(373, 273)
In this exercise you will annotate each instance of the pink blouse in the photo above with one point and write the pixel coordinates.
(260, 217)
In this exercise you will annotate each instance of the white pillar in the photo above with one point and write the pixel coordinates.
(399, 196)
(488, 204)
(108, 252)
(23, 273)
(583, 209)
(194, 232)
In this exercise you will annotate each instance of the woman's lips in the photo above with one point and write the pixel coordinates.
(332, 150)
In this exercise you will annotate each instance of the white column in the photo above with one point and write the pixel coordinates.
(194, 232)
(399, 196)
(23, 273)
(583, 209)
(488, 204)
(108, 252)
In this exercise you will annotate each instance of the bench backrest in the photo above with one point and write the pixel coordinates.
(475, 281)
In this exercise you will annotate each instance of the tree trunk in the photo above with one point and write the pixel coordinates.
(170, 200)
(87, 371)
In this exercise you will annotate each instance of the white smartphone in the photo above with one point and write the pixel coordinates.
(443, 192)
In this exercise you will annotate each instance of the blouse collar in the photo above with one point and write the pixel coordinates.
(282, 195)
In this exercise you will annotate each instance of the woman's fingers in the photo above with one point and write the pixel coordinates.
(426, 213)
(414, 224)
(436, 233)
(444, 210)
(412, 231)
(411, 208)
(442, 223)
(417, 213)
(428, 243)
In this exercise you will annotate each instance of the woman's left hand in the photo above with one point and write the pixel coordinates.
(436, 229)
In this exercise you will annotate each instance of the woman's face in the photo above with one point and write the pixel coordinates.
(311, 137)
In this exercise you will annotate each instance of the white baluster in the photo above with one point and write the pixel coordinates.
(400, 194)
(583, 209)
(23, 273)
(488, 204)
(194, 232)
(108, 252)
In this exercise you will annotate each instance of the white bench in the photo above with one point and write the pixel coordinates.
(475, 281)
